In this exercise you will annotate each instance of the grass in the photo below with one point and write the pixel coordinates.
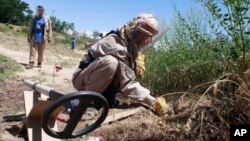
(180, 69)
(67, 63)
(4, 28)
(8, 67)
(39, 78)
(60, 44)
(64, 40)
(17, 32)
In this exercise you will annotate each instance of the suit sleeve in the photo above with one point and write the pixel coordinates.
(125, 75)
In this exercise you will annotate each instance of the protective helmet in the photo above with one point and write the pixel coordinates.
(144, 22)
(147, 24)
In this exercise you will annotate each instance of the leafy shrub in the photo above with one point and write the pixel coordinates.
(11, 27)
(179, 70)
(8, 67)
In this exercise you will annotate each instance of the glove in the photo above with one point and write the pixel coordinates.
(140, 65)
(161, 107)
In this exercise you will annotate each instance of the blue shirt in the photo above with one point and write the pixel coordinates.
(73, 42)
(38, 29)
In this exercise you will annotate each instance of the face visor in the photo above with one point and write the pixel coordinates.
(162, 29)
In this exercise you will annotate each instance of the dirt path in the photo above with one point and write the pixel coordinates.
(62, 79)
(12, 90)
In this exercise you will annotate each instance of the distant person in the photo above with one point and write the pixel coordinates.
(112, 64)
(40, 33)
(73, 43)
(100, 36)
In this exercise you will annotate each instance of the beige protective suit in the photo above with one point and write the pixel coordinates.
(115, 57)
(110, 64)
(114, 60)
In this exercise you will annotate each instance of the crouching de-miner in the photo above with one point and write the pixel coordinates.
(40, 33)
(113, 63)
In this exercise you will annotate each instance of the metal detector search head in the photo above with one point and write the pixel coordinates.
(59, 101)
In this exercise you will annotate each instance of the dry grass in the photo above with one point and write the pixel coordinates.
(197, 116)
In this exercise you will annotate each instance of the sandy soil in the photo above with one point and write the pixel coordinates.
(62, 79)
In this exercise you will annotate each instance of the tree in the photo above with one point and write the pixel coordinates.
(28, 17)
(95, 34)
(14, 11)
(61, 26)
(233, 17)
(71, 26)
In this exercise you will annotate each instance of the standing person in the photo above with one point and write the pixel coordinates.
(73, 43)
(100, 36)
(113, 63)
(40, 33)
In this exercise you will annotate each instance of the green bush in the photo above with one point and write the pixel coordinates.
(4, 28)
(66, 40)
(25, 30)
(8, 67)
(188, 55)
(180, 70)
(11, 27)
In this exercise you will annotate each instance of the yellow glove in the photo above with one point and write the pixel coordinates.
(140, 65)
(161, 107)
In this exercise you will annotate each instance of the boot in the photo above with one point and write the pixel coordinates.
(39, 65)
(30, 65)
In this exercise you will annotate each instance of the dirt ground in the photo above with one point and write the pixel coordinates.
(146, 123)
(11, 103)
(143, 126)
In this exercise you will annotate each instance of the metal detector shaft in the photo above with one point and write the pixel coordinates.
(37, 87)
(51, 92)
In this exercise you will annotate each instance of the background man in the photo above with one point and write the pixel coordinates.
(40, 33)
(73, 43)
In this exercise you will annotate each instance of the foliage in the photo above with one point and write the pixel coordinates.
(196, 50)
(67, 39)
(95, 34)
(8, 67)
(234, 19)
(180, 70)
(62, 43)
(61, 26)
(188, 55)
(15, 12)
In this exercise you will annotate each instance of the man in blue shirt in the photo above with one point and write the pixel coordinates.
(40, 33)
(73, 43)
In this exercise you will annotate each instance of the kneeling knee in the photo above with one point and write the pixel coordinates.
(111, 62)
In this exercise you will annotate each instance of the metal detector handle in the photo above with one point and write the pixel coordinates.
(52, 93)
